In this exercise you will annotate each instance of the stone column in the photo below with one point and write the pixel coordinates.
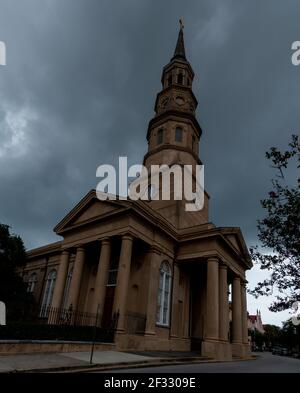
(76, 278)
(236, 311)
(123, 280)
(244, 313)
(101, 278)
(212, 299)
(60, 280)
(223, 304)
(175, 296)
(153, 279)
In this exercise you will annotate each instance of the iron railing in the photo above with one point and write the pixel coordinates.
(68, 316)
(60, 324)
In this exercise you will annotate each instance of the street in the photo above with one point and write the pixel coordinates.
(265, 363)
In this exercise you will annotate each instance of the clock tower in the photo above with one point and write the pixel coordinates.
(174, 133)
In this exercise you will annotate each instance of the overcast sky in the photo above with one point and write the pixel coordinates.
(79, 88)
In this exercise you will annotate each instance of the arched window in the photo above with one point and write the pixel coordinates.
(169, 80)
(160, 136)
(48, 293)
(180, 79)
(178, 134)
(32, 283)
(164, 291)
(67, 288)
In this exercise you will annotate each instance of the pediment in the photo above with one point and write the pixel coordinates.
(89, 209)
(95, 209)
(235, 238)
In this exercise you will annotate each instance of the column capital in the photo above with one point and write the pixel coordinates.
(80, 248)
(105, 240)
(223, 266)
(65, 251)
(127, 236)
(154, 249)
(213, 259)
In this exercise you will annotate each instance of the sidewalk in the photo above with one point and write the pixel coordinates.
(102, 360)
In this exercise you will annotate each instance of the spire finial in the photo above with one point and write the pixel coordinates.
(179, 50)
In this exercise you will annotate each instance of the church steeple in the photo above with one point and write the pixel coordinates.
(174, 135)
(179, 52)
(174, 132)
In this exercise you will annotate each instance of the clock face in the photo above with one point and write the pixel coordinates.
(180, 100)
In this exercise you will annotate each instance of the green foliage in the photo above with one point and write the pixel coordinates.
(271, 335)
(279, 231)
(12, 288)
(290, 335)
(257, 337)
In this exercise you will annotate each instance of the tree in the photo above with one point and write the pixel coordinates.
(257, 338)
(13, 291)
(271, 335)
(290, 336)
(279, 231)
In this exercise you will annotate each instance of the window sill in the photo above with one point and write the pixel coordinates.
(162, 326)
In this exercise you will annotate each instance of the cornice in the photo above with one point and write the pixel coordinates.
(172, 147)
(52, 248)
(173, 114)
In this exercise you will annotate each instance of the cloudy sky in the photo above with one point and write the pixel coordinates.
(79, 88)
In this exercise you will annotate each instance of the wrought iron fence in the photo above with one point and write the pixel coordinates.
(68, 316)
(61, 324)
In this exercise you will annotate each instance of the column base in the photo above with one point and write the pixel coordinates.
(149, 333)
(241, 350)
(120, 331)
(216, 349)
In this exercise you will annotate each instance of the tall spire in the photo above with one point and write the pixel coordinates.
(179, 50)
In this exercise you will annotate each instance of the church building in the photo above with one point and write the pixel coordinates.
(175, 280)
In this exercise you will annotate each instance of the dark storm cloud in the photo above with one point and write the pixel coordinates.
(80, 84)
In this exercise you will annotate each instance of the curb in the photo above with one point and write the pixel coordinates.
(127, 365)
